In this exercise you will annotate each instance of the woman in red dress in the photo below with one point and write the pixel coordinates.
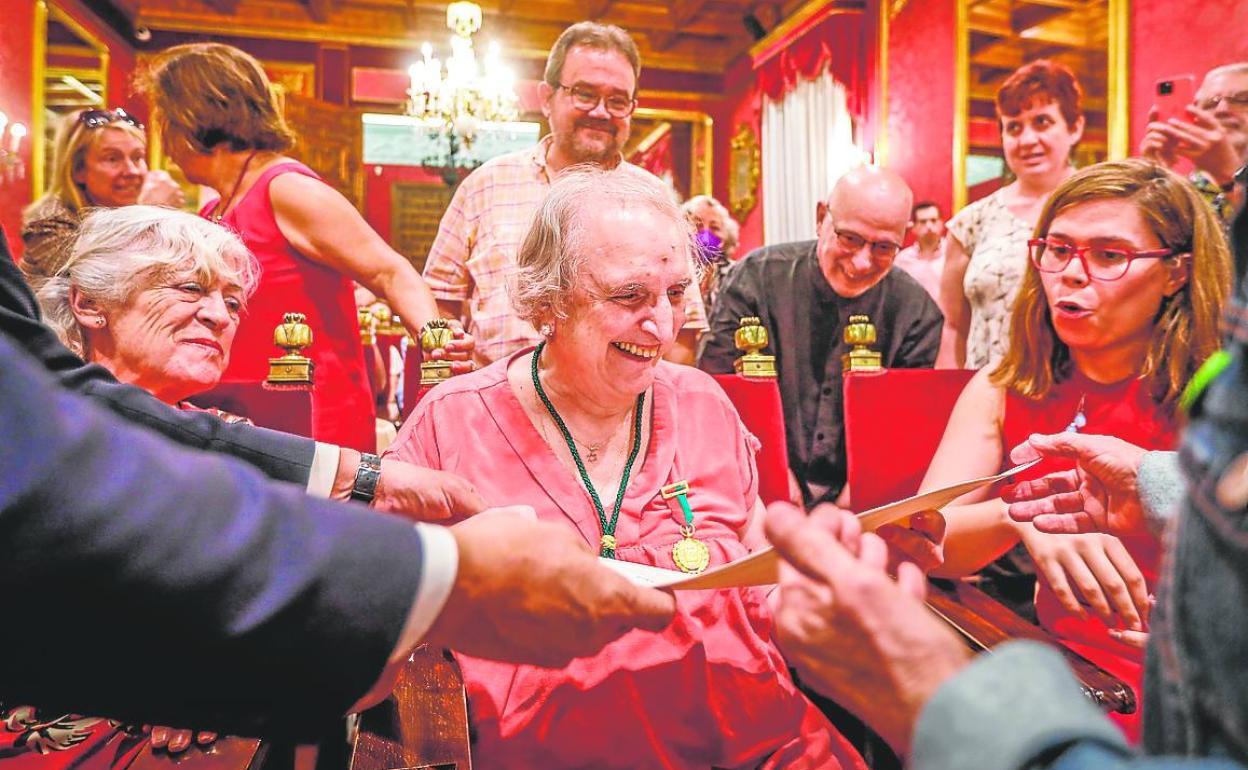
(222, 125)
(1120, 304)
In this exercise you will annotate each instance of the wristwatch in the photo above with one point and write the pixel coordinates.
(366, 476)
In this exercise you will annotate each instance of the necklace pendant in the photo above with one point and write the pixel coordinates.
(690, 554)
(591, 454)
(607, 546)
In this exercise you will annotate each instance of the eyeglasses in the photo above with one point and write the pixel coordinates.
(852, 241)
(1236, 101)
(586, 99)
(98, 118)
(1100, 263)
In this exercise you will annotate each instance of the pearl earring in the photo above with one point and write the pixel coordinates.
(547, 330)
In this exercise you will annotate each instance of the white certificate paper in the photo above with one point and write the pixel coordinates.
(763, 566)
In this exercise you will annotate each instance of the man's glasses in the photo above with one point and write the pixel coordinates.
(1236, 101)
(98, 118)
(852, 241)
(1100, 263)
(586, 99)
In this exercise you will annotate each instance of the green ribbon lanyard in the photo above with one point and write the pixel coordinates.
(680, 490)
(608, 544)
(1206, 374)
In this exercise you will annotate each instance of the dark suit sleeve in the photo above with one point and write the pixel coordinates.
(921, 340)
(157, 584)
(279, 455)
(737, 297)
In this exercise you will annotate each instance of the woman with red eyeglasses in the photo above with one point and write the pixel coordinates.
(99, 160)
(1120, 302)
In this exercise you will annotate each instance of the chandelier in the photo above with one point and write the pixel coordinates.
(461, 97)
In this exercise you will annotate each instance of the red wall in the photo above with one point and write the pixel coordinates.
(921, 99)
(1178, 37)
(742, 103)
(16, 74)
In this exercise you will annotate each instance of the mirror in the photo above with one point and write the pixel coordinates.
(744, 172)
(995, 37)
(71, 66)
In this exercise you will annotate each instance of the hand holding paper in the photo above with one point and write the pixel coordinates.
(762, 567)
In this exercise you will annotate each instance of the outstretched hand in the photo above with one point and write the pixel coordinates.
(852, 632)
(425, 494)
(1098, 495)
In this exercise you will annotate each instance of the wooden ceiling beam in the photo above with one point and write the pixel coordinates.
(319, 10)
(684, 11)
(662, 39)
(387, 27)
(596, 9)
(227, 7)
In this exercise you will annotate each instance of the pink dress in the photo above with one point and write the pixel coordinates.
(342, 401)
(1126, 411)
(712, 689)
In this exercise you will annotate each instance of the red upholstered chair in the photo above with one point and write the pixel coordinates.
(284, 410)
(894, 420)
(758, 403)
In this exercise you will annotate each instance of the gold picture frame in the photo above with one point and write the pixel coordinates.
(745, 171)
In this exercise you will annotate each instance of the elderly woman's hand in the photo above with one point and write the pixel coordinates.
(920, 540)
(159, 189)
(176, 741)
(1096, 568)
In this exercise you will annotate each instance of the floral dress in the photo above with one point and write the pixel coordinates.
(995, 239)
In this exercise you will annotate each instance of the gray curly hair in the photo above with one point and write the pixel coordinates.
(551, 256)
(121, 251)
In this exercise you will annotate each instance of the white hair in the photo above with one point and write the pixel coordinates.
(551, 256)
(121, 251)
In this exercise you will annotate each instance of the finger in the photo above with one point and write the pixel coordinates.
(1074, 503)
(1137, 639)
(1137, 597)
(1153, 114)
(1085, 580)
(650, 609)
(841, 524)
(1024, 453)
(1072, 445)
(463, 499)
(1035, 489)
(1062, 523)
(801, 542)
(179, 740)
(1201, 117)
(930, 524)
(874, 552)
(160, 736)
(909, 546)
(205, 737)
(911, 580)
(1055, 576)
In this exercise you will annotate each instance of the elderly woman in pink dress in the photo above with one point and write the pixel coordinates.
(589, 428)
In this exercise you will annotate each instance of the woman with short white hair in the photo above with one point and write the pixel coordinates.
(152, 294)
(650, 464)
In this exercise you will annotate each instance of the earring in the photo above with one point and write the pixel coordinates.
(100, 322)
(547, 330)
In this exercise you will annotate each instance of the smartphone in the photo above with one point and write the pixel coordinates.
(1173, 95)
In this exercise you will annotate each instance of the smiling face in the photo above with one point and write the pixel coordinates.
(874, 211)
(1233, 118)
(171, 338)
(1038, 141)
(113, 168)
(1093, 316)
(628, 304)
(593, 136)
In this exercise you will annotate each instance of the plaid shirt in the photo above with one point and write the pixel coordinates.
(475, 251)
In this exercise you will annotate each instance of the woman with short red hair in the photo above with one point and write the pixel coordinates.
(1041, 114)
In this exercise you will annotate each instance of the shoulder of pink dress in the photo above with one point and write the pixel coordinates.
(473, 382)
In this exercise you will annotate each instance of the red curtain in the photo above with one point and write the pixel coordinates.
(837, 43)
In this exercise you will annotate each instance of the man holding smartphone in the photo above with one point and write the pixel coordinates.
(1213, 135)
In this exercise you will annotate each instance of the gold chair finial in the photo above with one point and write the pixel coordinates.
(751, 336)
(292, 370)
(435, 335)
(860, 333)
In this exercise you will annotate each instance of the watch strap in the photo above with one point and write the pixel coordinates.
(366, 476)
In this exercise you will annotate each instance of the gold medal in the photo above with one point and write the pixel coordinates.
(690, 554)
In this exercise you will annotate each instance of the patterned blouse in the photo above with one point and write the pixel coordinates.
(996, 241)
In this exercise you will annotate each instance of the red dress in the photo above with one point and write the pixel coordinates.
(1127, 411)
(342, 402)
(712, 690)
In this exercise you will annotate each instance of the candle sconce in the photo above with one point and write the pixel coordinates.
(12, 136)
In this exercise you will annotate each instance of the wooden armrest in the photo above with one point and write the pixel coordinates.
(423, 725)
(984, 623)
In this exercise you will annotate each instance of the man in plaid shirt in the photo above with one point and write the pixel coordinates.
(589, 92)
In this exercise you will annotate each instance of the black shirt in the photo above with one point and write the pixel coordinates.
(805, 318)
